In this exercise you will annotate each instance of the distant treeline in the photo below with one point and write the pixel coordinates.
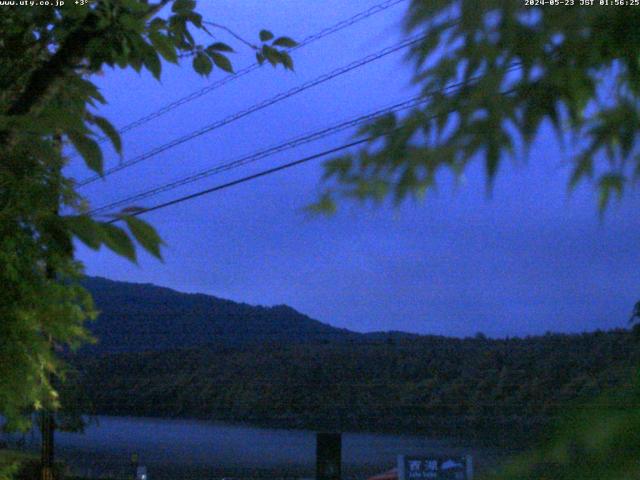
(435, 385)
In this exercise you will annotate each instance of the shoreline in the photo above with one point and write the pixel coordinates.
(191, 448)
(503, 433)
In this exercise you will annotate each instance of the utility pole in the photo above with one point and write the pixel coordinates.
(328, 456)
(47, 418)
(47, 429)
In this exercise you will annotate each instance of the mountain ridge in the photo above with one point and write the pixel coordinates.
(138, 317)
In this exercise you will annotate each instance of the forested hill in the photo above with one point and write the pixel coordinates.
(435, 385)
(165, 353)
(142, 317)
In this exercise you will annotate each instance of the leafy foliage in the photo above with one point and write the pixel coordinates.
(492, 72)
(47, 106)
(13, 464)
(604, 445)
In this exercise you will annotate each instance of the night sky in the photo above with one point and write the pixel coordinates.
(528, 259)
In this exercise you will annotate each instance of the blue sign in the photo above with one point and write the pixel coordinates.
(434, 468)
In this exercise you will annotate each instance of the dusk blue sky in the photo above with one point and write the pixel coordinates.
(528, 259)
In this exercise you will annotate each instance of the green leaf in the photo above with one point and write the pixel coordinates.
(194, 17)
(145, 234)
(135, 6)
(109, 130)
(116, 239)
(285, 42)
(324, 206)
(87, 88)
(221, 62)
(50, 119)
(150, 59)
(164, 46)
(136, 63)
(287, 62)
(608, 184)
(493, 158)
(88, 148)
(337, 167)
(178, 25)
(87, 230)
(157, 23)
(272, 55)
(130, 22)
(584, 168)
(183, 6)
(265, 35)
(202, 64)
(220, 47)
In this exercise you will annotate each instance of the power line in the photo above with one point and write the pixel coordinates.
(244, 71)
(287, 165)
(262, 105)
(289, 144)
(247, 178)
(295, 142)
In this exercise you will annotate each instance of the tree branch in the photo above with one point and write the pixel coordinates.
(232, 33)
(42, 79)
(70, 53)
(156, 8)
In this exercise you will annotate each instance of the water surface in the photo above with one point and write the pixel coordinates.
(217, 448)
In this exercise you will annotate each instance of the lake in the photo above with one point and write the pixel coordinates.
(200, 449)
